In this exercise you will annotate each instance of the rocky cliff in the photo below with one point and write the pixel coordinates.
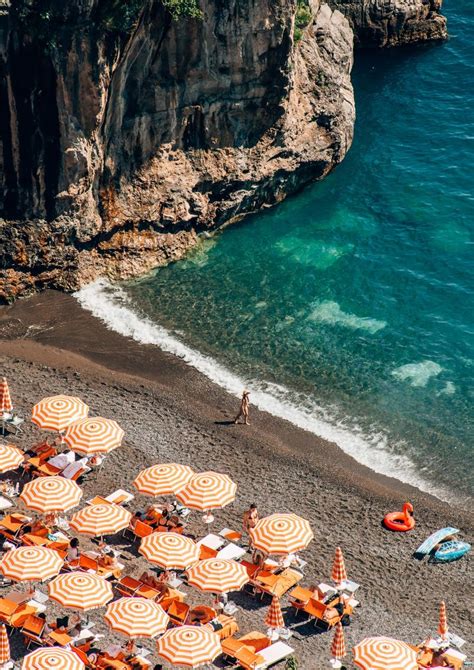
(381, 23)
(119, 144)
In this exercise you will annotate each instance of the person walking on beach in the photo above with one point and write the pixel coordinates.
(249, 520)
(244, 408)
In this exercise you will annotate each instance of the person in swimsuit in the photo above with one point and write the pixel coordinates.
(244, 408)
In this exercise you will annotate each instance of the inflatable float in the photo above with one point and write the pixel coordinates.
(400, 521)
(443, 547)
(451, 551)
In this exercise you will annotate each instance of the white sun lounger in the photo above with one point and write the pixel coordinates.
(211, 541)
(232, 552)
(274, 653)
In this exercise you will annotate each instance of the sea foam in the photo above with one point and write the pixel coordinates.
(329, 312)
(113, 306)
(418, 374)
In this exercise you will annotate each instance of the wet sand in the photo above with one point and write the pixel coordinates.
(170, 412)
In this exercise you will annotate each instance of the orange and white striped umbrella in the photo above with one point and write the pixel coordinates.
(137, 617)
(31, 564)
(190, 646)
(169, 550)
(274, 617)
(4, 645)
(93, 435)
(338, 646)
(218, 575)
(207, 490)
(58, 411)
(281, 534)
(443, 621)
(339, 573)
(163, 479)
(10, 457)
(105, 519)
(6, 404)
(384, 653)
(51, 494)
(81, 590)
(52, 658)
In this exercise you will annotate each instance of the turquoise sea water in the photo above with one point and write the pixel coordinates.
(351, 304)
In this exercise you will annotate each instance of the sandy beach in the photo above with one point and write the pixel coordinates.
(170, 412)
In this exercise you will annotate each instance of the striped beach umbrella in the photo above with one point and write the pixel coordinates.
(207, 490)
(81, 590)
(339, 573)
(281, 534)
(218, 575)
(4, 645)
(163, 479)
(338, 646)
(136, 617)
(169, 550)
(6, 404)
(93, 435)
(58, 411)
(31, 564)
(274, 618)
(443, 621)
(51, 494)
(52, 658)
(384, 653)
(98, 520)
(10, 457)
(190, 646)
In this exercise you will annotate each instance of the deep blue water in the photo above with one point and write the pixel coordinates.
(356, 296)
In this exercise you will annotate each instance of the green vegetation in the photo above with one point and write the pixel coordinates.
(119, 16)
(291, 664)
(302, 19)
(183, 8)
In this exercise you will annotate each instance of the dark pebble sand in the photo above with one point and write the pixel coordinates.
(172, 413)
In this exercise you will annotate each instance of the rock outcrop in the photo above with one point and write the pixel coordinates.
(118, 148)
(382, 23)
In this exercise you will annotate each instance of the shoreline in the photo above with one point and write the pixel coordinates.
(49, 344)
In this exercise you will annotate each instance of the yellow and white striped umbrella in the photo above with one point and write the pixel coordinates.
(81, 590)
(105, 519)
(136, 617)
(52, 658)
(190, 646)
(281, 534)
(6, 404)
(51, 494)
(163, 479)
(384, 653)
(58, 411)
(10, 457)
(31, 564)
(218, 575)
(93, 435)
(4, 645)
(207, 490)
(169, 550)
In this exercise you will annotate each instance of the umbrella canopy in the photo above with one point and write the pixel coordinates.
(339, 573)
(281, 534)
(31, 564)
(218, 575)
(207, 490)
(93, 435)
(52, 658)
(4, 645)
(274, 617)
(338, 646)
(189, 645)
(6, 404)
(96, 520)
(384, 653)
(136, 617)
(10, 457)
(58, 411)
(443, 620)
(169, 550)
(164, 479)
(51, 494)
(81, 590)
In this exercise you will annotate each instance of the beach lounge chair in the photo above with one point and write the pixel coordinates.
(141, 530)
(178, 613)
(127, 586)
(32, 630)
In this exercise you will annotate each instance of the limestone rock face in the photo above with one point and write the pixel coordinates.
(118, 149)
(381, 23)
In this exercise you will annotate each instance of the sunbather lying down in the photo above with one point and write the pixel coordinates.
(332, 612)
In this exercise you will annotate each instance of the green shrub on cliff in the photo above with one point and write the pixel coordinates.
(183, 8)
(302, 19)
